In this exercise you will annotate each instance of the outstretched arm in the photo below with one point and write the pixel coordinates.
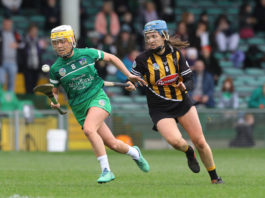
(118, 63)
(55, 92)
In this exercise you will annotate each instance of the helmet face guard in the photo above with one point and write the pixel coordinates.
(61, 34)
(159, 26)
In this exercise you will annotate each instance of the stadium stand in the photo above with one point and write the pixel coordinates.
(245, 81)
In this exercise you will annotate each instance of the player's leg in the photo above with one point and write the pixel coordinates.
(121, 147)
(191, 123)
(94, 119)
(169, 130)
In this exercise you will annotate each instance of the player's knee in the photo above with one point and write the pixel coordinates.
(88, 131)
(200, 143)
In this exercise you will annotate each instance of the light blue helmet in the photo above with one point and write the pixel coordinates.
(158, 25)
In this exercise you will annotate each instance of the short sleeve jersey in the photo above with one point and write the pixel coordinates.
(77, 75)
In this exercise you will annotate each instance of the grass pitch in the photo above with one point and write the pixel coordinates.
(74, 175)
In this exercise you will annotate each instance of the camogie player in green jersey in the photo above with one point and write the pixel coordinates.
(74, 70)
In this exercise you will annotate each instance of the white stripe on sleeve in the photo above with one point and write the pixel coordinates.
(99, 55)
(135, 72)
(186, 72)
(54, 81)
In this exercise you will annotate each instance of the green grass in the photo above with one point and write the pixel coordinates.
(74, 175)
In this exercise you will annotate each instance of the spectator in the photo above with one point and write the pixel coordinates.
(128, 62)
(191, 56)
(226, 38)
(228, 97)
(246, 21)
(244, 129)
(121, 7)
(32, 53)
(211, 63)
(259, 14)
(127, 19)
(90, 40)
(166, 10)
(52, 14)
(125, 43)
(203, 85)
(107, 44)
(107, 21)
(102, 66)
(12, 6)
(237, 57)
(182, 31)
(257, 98)
(253, 57)
(204, 18)
(200, 38)
(9, 43)
(149, 12)
(189, 20)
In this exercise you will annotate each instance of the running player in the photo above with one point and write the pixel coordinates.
(168, 78)
(74, 71)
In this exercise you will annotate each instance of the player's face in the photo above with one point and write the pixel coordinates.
(154, 40)
(62, 46)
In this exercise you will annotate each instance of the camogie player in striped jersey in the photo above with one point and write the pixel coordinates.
(74, 70)
(168, 79)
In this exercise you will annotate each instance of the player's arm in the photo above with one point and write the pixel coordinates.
(55, 89)
(118, 63)
(186, 74)
(55, 92)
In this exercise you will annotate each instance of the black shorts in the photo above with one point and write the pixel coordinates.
(171, 110)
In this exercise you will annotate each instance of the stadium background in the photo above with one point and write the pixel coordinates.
(19, 131)
(25, 117)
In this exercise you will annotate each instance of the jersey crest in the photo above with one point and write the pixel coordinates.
(62, 72)
(101, 102)
(134, 64)
(155, 66)
(83, 61)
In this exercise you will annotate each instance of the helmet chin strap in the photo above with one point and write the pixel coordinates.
(67, 55)
(158, 49)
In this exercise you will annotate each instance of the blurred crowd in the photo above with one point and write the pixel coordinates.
(118, 29)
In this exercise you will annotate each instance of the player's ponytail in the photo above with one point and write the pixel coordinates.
(175, 42)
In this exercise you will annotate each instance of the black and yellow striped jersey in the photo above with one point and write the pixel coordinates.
(162, 73)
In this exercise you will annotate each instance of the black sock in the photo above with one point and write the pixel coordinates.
(213, 174)
(190, 151)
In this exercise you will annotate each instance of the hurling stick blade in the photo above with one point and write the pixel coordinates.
(46, 89)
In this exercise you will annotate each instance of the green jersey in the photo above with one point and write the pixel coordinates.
(78, 75)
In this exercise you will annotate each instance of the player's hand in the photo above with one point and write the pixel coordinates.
(205, 99)
(131, 86)
(55, 106)
(181, 86)
(136, 79)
